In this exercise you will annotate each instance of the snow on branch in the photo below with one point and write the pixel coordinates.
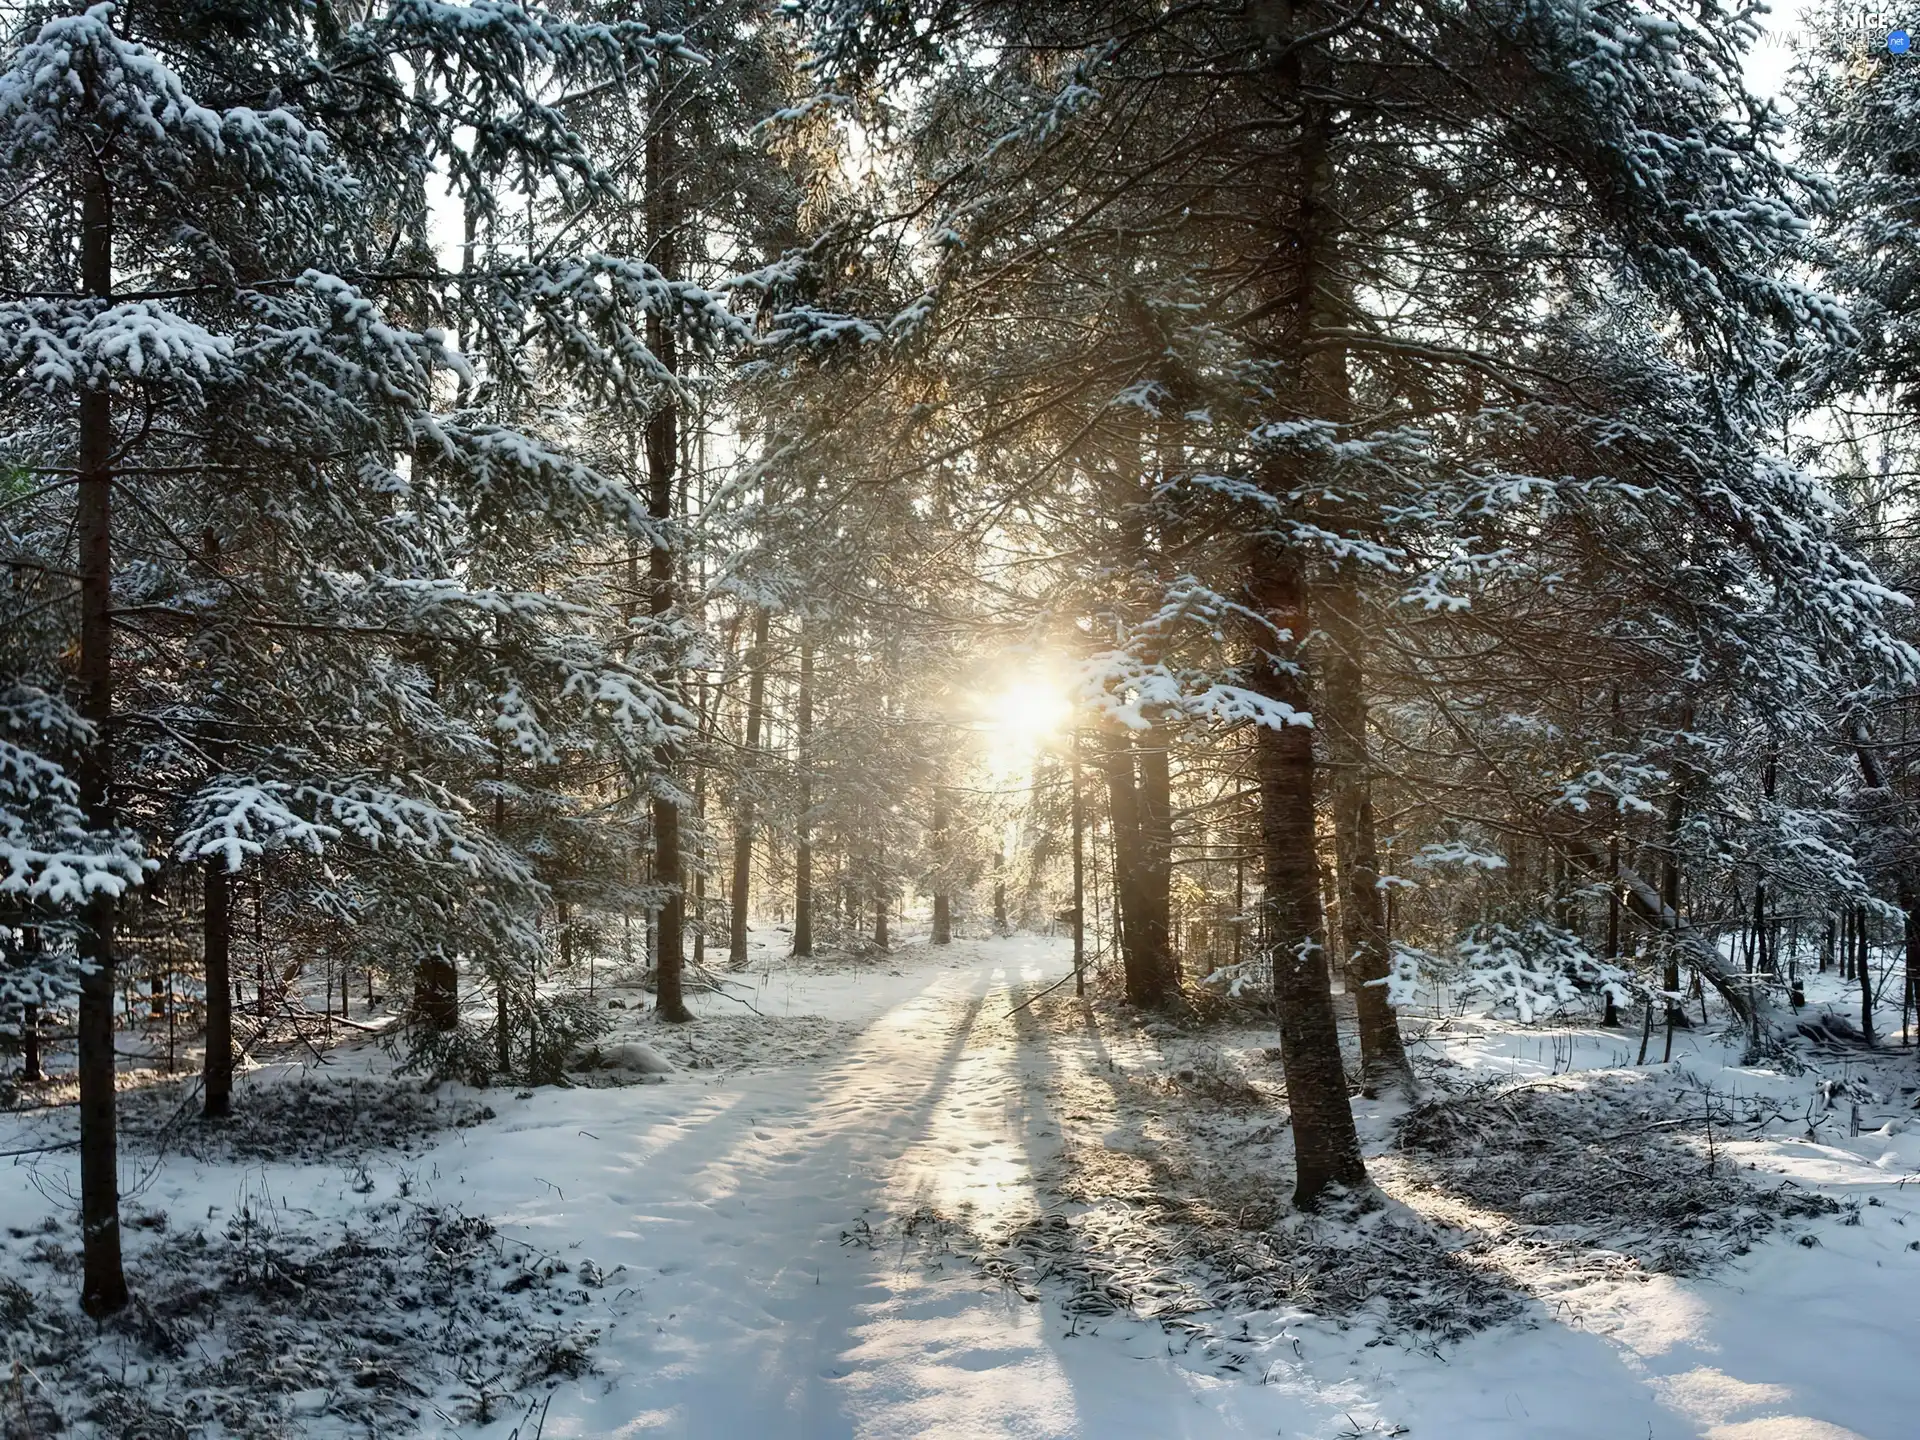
(74, 346)
(1536, 968)
(48, 851)
(234, 820)
(237, 818)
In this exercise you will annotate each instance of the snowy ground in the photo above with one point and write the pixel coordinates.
(779, 1234)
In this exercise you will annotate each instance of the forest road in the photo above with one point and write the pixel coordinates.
(761, 1285)
(768, 1290)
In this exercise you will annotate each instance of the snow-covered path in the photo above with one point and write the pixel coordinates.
(728, 1205)
(742, 1311)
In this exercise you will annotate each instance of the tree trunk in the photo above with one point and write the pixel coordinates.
(1000, 890)
(942, 900)
(1910, 938)
(1155, 933)
(217, 953)
(103, 1288)
(744, 817)
(1670, 893)
(1326, 1144)
(880, 938)
(1079, 874)
(436, 993)
(803, 840)
(1383, 1058)
(1130, 904)
(1863, 964)
(30, 1071)
(663, 452)
(1612, 1016)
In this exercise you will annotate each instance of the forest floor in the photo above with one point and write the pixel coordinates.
(882, 1198)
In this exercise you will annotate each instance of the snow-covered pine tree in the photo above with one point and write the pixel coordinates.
(226, 382)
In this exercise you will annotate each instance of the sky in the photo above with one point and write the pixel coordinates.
(1770, 59)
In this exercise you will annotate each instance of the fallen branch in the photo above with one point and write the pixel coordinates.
(1645, 904)
(40, 1149)
(1038, 994)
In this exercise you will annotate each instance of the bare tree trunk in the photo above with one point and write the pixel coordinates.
(1863, 964)
(803, 759)
(1158, 960)
(1612, 1016)
(1079, 874)
(744, 816)
(1670, 899)
(30, 1071)
(1910, 937)
(1874, 773)
(880, 938)
(1130, 903)
(663, 452)
(1326, 1144)
(1383, 1058)
(216, 923)
(942, 900)
(1000, 890)
(103, 1287)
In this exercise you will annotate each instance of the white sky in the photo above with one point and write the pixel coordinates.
(1768, 61)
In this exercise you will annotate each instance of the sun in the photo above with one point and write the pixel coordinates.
(1022, 719)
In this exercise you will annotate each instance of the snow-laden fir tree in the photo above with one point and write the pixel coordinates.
(279, 552)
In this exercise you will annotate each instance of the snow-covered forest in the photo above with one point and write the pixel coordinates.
(878, 718)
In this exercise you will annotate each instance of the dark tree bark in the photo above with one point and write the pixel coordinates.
(1326, 1144)
(217, 954)
(1079, 873)
(436, 993)
(1130, 902)
(663, 456)
(1000, 891)
(1873, 771)
(880, 904)
(30, 1071)
(803, 759)
(744, 815)
(1155, 932)
(1863, 967)
(1383, 1058)
(1612, 1016)
(502, 1026)
(1670, 897)
(1910, 938)
(942, 901)
(103, 1286)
